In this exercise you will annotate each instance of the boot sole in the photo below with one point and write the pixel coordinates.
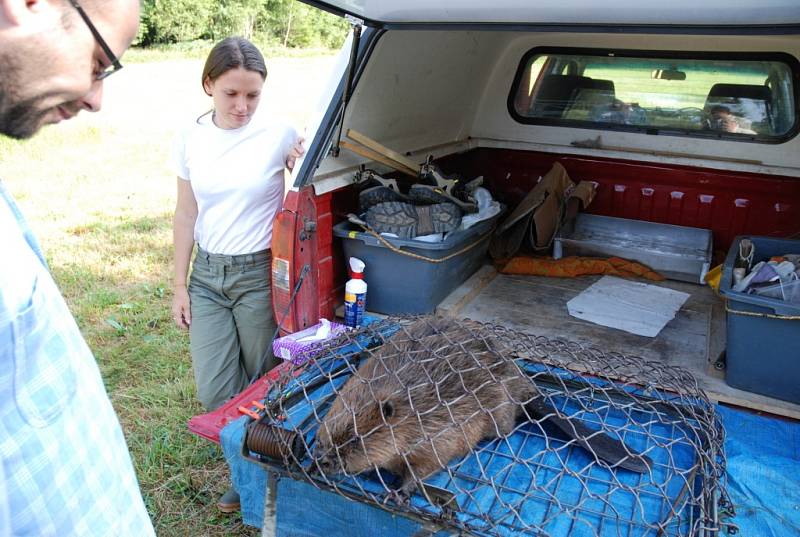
(429, 195)
(378, 194)
(408, 221)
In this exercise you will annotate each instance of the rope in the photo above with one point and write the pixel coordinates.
(763, 315)
(397, 250)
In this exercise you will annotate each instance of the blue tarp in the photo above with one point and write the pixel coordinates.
(249, 479)
(763, 455)
(763, 473)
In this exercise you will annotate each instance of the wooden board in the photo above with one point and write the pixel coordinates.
(377, 157)
(466, 292)
(538, 306)
(383, 150)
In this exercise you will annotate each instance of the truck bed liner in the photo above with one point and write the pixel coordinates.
(694, 339)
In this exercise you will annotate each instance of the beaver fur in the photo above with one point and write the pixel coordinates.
(430, 394)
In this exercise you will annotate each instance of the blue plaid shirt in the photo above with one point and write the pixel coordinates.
(65, 466)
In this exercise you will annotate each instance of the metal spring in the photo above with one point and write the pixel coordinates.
(275, 442)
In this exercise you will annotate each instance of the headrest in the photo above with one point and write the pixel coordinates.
(556, 92)
(722, 93)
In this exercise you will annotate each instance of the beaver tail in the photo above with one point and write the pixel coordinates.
(599, 444)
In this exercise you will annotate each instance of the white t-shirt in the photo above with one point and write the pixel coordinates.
(237, 179)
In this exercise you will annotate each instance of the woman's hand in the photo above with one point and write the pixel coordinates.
(295, 153)
(181, 311)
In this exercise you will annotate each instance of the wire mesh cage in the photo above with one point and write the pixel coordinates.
(489, 431)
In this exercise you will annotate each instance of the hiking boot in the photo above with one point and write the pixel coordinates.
(378, 194)
(229, 502)
(429, 194)
(408, 221)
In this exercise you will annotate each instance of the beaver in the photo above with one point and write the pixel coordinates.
(430, 394)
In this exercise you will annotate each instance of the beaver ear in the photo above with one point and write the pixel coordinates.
(387, 409)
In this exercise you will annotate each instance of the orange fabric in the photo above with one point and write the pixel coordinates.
(570, 267)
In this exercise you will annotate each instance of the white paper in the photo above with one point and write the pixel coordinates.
(634, 307)
(321, 332)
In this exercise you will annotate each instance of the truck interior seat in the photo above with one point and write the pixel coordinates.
(559, 93)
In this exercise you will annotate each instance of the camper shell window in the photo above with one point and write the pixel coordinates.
(747, 97)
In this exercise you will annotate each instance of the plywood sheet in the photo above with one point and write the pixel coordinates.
(691, 340)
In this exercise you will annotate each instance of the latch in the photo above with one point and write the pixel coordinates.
(309, 227)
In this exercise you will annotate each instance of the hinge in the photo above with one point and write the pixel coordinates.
(354, 20)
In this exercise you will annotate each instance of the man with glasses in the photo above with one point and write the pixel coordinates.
(64, 465)
(53, 58)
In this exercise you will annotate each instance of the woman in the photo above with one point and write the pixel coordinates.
(230, 165)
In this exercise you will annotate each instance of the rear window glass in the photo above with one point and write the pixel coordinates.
(750, 98)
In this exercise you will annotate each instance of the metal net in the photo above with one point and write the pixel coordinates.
(488, 431)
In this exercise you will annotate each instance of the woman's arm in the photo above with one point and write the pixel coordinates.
(183, 238)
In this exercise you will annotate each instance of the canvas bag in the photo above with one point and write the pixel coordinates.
(539, 215)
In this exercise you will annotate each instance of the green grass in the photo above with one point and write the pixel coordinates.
(634, 83)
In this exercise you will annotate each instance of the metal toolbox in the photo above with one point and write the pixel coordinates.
(677, 252)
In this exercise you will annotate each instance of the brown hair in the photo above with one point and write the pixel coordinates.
(231, 53)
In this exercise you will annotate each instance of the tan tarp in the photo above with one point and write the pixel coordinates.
(539, 215)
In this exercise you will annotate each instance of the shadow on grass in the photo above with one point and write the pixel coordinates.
(114, 279)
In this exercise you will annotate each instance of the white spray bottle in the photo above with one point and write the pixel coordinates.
(355, 294)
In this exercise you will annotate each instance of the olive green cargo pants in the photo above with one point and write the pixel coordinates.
(232, 323)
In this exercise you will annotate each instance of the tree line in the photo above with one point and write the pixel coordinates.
(281, 22)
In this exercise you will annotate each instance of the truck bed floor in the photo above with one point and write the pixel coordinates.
(693, 340)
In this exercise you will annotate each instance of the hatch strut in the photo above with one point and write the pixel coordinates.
(351, 67)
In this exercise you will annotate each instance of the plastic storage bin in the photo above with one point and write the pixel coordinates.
(401, 284)
(763, 354)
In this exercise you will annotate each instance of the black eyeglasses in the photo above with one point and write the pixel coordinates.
(115, 65)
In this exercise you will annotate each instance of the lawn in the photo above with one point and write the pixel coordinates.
(99, 193)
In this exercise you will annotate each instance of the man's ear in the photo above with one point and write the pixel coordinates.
(28, 13)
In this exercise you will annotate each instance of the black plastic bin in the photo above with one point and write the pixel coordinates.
(763, 354)
(403, 284)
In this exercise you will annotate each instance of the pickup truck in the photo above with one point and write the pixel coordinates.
(682, 113)
(623, 96)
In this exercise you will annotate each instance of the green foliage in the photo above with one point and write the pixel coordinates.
(283, 22)
(234, 17)
(172, 21)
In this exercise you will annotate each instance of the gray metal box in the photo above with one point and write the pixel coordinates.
(677, 252)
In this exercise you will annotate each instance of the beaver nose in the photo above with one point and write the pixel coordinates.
(323, 464)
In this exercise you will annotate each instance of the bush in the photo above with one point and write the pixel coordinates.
(234, 17)
(172, 21)
(285, 22)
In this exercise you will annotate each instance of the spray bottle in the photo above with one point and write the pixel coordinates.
(355, 294)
